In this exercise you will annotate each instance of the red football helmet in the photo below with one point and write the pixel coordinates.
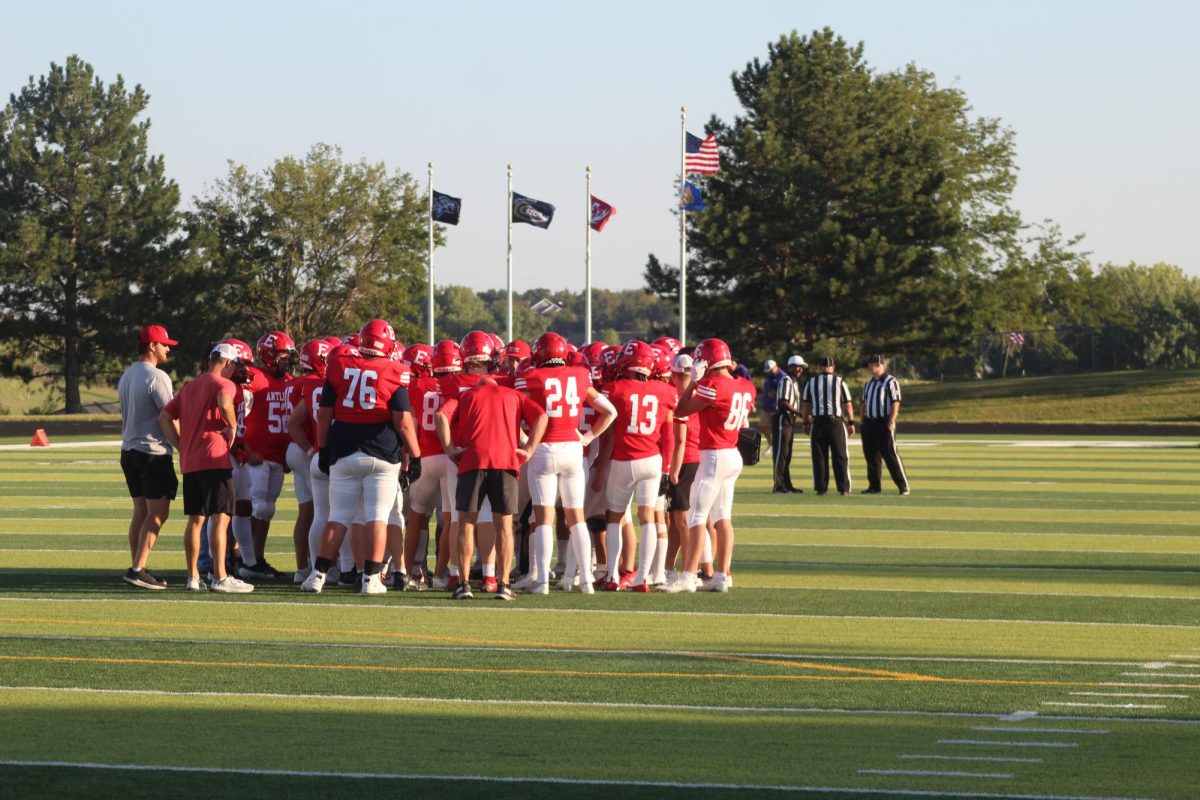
(715, 352)
(524, 366)
(398, 353)
(477, 346)
(420, 358)
(594, 353)
(340, 351)
(662, 369)
(245, 357)
(638, 357)
(447, 357)
(377, 339)
(517, 349)
(576, 359)
(668, 343)
(274, 346)
(548, 348)
(334, 341)
(313, 355)
(351, 339)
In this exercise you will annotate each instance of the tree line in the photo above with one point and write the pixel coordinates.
(855, 211)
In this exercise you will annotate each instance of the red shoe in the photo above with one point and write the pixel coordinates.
(641, 588)
(490, 585)
(626, 578)
(609, 586)
(452, 583)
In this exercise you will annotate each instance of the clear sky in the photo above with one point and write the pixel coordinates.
(1102, 96)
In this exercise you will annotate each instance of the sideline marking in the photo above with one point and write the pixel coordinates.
(998, 759)
(993, 743)
(510, 609)
(1103, 705)
(1129, 694)
(755, 787)
(1038, 730)
(936, 774)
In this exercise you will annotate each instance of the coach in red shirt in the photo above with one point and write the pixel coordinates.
(482, 439)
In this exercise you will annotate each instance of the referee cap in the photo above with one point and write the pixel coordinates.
(797, 361)
(826, 361)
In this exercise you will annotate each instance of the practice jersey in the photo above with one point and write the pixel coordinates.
(562, 392)
(424, 394)
(453, 384)
(691, 445)
(731, 401)
(486, 421)
(363, 393)
(307, 389)
(266, 422)
(643, 411)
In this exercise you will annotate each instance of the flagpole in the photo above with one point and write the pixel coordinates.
(587, 261)
(430, 263)
(682, 226)
(509, 328)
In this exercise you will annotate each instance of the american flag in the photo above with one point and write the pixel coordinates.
(701, 155)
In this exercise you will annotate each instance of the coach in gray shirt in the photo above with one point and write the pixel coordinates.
(145, 453)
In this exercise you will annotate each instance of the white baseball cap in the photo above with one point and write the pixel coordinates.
(770, 365)
(797, 361)
(682, 363)
(226, 351)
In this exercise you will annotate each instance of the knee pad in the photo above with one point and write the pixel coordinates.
(263, 509)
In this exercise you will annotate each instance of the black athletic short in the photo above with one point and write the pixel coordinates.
(208, 492)
(149, 476)
(497, 485)
(678, 498)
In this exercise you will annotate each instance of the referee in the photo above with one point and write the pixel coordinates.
(828, 416)
(787, 406)
(880, 407)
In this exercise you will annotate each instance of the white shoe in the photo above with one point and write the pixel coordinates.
(721, 583)
(537, 588)
(680, 584)
(315, 582)
(585, 587)
(707, 585)
(567, 584)
(301, 574)
(526, 581)
(728, 582)
(231, 585)
(371, 584)
(439, 583)
(195, 585)
(657, 580)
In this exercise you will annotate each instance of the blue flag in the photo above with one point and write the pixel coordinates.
(693, 198)
(446, 208)
(534, 212)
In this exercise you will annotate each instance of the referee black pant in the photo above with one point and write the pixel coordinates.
(829, 439)
(879, 446)
(783, 428)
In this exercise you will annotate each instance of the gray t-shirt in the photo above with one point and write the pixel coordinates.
(144, 389)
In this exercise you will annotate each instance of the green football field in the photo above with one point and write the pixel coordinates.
(1026, 624)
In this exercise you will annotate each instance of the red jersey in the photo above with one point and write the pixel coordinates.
(266, 424)
(453, 384)
(306, 389)
(365, 388)
(562, 392)
(202, 442)
(731, 401)
(691, 445)
(487, 421)
(425, 396)
(643, 408)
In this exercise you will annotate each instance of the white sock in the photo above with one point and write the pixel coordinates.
(346, 556)
(612, 543)
(581, 547)
(660, 557)
(244, 539)
(531, 547)
(543, 545)
(489, 570)
(453, 571)
(649, 544)
(706, 551)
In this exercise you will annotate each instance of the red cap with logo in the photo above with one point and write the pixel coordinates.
(155, 334)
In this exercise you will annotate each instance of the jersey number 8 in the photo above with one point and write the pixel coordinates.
(740, 406)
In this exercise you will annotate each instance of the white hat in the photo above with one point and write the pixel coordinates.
(770, 365)
(682, 363)
(797, 361)
(226, 351)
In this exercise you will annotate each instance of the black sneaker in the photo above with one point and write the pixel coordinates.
(261, 571)
(400, 581)
(871, 491)
(794, 490)
(505, 592)
(905, 492)
(352, 579)
(143, 579)
(463, 592)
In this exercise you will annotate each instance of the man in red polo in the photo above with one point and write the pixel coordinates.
(482, 438)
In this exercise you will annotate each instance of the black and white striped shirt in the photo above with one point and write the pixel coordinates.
(879, 395)
(787, 391)
(827, 394)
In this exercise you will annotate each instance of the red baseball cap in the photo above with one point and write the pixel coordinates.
(152, 334)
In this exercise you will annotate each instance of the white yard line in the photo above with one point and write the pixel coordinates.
(513, 609)
(1102, 705)
(1129, 694)
(930, 773)
(996, 743)
(505, 779)
(1007, 728)
(996, 759)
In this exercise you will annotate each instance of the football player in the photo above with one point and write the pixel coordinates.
(302, 395)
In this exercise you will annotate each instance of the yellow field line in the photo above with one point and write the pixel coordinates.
(571, 672)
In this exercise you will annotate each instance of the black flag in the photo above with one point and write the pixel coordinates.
(533, 212)
(446, 208)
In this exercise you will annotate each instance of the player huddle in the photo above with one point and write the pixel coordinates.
(626, 456)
